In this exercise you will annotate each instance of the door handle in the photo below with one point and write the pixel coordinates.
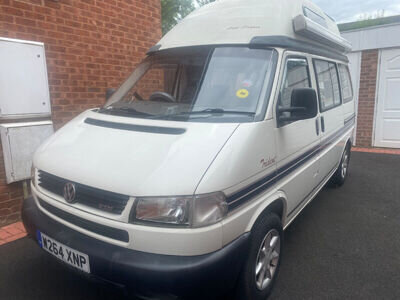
(317, 125)
(322, 124)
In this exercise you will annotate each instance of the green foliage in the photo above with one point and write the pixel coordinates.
(204, 2)
(174, 10)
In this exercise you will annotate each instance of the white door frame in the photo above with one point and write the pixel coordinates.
(376, 99)
(375, 137)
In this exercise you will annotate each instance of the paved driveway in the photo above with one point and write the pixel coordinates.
(345, 245)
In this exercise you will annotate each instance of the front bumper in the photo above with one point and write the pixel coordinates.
(146, 273)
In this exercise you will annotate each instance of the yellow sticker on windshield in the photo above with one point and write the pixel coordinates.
(242, 93)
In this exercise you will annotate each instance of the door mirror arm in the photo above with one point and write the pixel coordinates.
(283, 120)
(292, 109)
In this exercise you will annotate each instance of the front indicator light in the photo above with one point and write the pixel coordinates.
(209, 209)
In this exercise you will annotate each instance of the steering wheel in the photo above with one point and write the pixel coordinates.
(165, 97)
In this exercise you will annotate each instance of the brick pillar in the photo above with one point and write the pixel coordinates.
(367, 93)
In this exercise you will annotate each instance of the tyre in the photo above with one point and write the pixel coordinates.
(262, 264)
(342, 172)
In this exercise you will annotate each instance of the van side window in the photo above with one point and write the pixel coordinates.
(328, 84)
(296, 75)
(345, 83)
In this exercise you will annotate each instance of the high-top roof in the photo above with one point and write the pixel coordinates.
(239, 21)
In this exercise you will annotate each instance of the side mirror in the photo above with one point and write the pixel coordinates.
(304, 105)
(109, 93)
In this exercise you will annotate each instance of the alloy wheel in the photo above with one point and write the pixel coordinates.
(267, 259)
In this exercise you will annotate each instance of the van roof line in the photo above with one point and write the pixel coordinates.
(153, 49)
(298, 45)
(274, 41)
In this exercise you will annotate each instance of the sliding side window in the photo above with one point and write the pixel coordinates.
(328, 84)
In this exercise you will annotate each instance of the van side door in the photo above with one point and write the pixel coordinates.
(297, 142)
(331, 114)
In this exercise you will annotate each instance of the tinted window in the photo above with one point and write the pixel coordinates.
(328, 84)
(345, 83)
(296, 75)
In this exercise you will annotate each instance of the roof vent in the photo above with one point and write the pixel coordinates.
(314, 30)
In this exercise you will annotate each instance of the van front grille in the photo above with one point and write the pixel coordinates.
(86, 195)
(110, 232)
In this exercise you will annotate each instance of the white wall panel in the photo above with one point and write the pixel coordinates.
(20, 141)
(24, 89)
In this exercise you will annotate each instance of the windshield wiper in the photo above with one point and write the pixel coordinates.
(208, 111)
(220, 111)
(123, 110)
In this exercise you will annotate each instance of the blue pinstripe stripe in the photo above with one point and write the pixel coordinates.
(239, 198)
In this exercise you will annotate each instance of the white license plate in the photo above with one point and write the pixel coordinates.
(72, 257)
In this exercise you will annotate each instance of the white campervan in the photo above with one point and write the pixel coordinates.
(183, 183)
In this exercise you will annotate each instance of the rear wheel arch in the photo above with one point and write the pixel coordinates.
(348, 144)
(339, 177)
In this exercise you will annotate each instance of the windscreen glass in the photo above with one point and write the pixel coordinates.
(199, 84)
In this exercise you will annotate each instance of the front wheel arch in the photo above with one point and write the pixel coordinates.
(277, 205)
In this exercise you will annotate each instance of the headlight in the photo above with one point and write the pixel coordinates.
(187, 211)
(163, 210)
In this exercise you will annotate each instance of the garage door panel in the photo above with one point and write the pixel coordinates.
(391, 130)
(394, 64)
(391, 97)
(387, 118)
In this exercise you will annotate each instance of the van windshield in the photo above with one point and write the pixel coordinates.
(196, 84)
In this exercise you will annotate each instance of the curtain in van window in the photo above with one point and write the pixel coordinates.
(345, 81)
(328, 84)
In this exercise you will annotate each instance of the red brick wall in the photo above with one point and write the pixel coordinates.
(91, 45)
(10, 197)
(366, 102)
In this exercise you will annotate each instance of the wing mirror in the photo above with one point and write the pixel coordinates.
(304, 105)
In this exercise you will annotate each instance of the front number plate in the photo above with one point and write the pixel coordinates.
(72, 257)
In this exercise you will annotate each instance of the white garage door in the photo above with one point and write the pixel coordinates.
(387, 120)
